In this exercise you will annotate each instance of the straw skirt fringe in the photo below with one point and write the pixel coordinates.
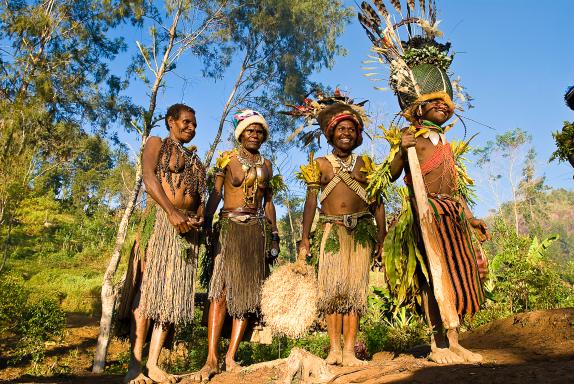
(344, 277)
(168, 283)
(240, 267)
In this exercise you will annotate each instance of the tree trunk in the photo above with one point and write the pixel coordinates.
(226, 110)
(109, 294)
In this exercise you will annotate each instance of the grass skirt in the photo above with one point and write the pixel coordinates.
(168, 281)
(344, 273)
(240, 267)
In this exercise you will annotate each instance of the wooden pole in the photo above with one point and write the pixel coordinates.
(442, 287)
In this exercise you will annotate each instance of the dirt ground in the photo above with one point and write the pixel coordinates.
(534, 347)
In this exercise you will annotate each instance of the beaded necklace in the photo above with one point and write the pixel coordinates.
(187, 163)
(252, 170)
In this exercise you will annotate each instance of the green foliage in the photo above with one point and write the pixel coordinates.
(402, 257)
(524, 276)
(428, 54)
(564, 143)
(13, 297)
(41, 322)
(33, 323)
(398, 335)
(390, 325)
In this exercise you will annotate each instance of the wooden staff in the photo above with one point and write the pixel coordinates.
(442, 287)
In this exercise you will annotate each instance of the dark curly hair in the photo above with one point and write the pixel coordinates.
(174, 112)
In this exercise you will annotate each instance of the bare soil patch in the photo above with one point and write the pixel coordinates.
(534, 347)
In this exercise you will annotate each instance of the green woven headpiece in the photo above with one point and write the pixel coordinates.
(430, 79)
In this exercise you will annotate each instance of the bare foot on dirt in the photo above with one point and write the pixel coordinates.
(205, 374)
(350, 360)
(444, 356)
(231, 365)
(465, 354)
(135, 376)
(335, 357)
(159, 375)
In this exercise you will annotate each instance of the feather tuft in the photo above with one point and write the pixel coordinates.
(422, 7)
(397, 5)
(411, 5)
(381, 8)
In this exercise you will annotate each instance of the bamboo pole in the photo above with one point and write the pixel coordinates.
(442, 287)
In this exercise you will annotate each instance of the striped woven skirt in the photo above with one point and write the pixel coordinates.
(455, 240)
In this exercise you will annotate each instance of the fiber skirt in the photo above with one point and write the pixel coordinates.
(240, 267)
(343, 276)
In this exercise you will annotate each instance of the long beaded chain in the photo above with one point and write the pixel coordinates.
(193, 175)
(250, 180)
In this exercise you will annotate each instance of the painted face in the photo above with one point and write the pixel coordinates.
(252, 137)
(436, 111)
(182, 129)
(345, 136)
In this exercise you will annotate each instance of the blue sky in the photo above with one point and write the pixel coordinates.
(514, 57)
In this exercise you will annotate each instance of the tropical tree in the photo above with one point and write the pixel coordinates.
(54, 82)
(278, 45)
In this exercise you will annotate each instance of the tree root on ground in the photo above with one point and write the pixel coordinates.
(303, 367)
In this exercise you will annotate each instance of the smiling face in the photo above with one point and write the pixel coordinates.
(436, 111)
(183, 128)
(252, 137)
(344, 136)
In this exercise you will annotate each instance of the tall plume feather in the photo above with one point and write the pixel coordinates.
(397, 5)
(422, 7)
(368, 27)
(370, 21)
(381, 7)
(368, 11)
(432, 12)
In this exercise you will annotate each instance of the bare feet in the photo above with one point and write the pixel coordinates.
(231, 365)
(135, 376)
(335, 357)
(444, 356)
(465, 354)
(350, 360)
(205, 374)
(160, 376)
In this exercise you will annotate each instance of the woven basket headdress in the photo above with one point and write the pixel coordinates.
(417, 65)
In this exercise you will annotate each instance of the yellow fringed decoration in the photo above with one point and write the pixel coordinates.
(380, 177)
(369, 166)
(223, 159)
(310, 173)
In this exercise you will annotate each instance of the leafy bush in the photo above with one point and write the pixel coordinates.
(564, 142)
(40, 322)
(523, 276)
(396, 336)
(13, 297)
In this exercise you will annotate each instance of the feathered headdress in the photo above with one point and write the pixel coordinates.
(418, 65)
(311, 109)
